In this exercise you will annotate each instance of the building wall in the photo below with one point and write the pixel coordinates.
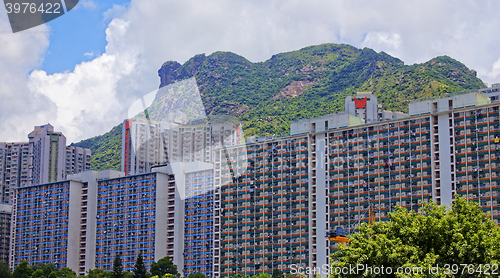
(13, 169)
(127, 223)
(147, 143)
(47, 155)
(5, 217)
(77, 160)
(262, 212)
(199, 223)
(41, 224)
(384, 165)
(477, 149)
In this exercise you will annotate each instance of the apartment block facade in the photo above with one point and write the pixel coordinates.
(5, 218)
(77, 160)
(13, 169)
(270, 203)
(47, 158)
(148, 143)
(44, 159)
(45, 224)
(262, 209)
(135, 214)
(199, 223)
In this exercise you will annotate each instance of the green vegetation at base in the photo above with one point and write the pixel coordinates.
(140, 268)
(5, 271)
(439, 239)
(164, 268)
(23, 270)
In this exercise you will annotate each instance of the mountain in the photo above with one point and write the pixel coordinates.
(267, 96)
(106, 149)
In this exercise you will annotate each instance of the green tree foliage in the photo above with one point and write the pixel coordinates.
(117, 267)
(22, 271)
(39, 274)
(66, 272)
(99, 273)
(261, 275)
(277, 273)
(140, 268)
(196, 275)
(5, 270)
(164, 266)
(440, 237)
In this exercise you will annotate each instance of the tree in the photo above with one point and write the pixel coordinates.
(140, 268)
(277, 273)
(117, 267)
(417, 243)
(196, 275)
(66, 273)
(39, 274)
(262, 275)
(5, 271)
(164, 266)
(99, 273)
(22, 271)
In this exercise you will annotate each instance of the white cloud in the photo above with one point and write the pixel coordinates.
(114, 12)
(494, 73)
(92, 98)
(89, 55)
(86, 98)
(390, 43)
(19, 54)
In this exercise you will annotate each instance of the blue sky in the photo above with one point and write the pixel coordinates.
(79, 32)
(82, 72)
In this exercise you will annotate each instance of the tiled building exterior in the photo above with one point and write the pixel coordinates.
(135, 214)
(199, 223)
(262, 210)
(46, 224)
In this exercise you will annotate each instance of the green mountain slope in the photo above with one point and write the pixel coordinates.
(106, 149)
(313, 81)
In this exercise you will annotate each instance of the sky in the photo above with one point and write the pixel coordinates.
(82, 71)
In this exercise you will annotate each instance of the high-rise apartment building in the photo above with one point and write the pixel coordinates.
(263, 215)
(47, 159)
(77, 160)
(199, 222)
(13, 169)
(85, 221)
(147, 143)
(5, 217)
(270, 204)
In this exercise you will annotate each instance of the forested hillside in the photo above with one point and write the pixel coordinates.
(267, 96)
